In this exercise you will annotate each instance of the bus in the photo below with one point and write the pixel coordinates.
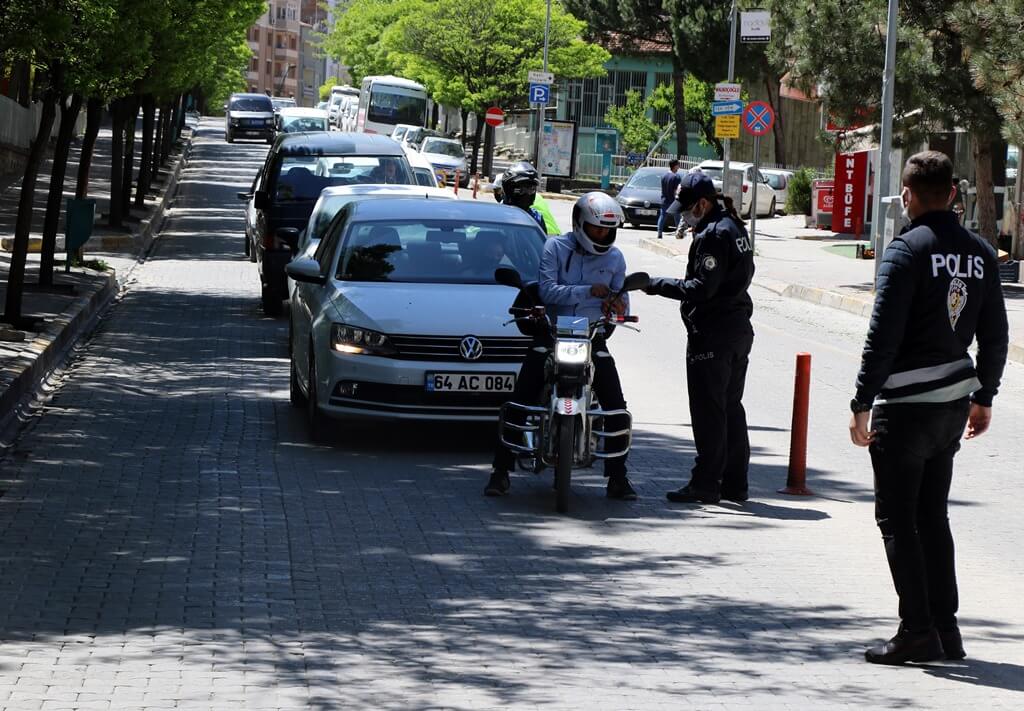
(386, 101)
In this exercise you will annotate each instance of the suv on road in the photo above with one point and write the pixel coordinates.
(282, 196)
(249, 116)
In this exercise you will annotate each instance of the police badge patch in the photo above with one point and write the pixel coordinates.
(710, 263)
(956, 299)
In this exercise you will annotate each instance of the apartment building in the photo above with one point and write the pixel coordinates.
(276, 42)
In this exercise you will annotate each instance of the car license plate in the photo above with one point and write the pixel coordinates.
(642, 211)
(471, 382)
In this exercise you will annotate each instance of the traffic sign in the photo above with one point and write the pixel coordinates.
(756, 26)
(540, 93)
(727, 126)
(727, 92)
(535, 77)
(494, 116)
(726, 108)
(758, 118)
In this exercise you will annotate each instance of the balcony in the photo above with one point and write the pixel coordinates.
(285, 54)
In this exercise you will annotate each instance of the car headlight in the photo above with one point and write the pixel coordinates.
(572, 352)
(355, 341)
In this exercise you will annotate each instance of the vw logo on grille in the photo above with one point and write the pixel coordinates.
(647, 203)
(471, 348)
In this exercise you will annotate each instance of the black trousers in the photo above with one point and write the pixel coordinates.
(716, 372)
(912, 457)
(529, 390)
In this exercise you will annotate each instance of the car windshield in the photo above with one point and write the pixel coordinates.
(437, 251)
(443, 147)
(294, 124)
(712, 172)
(303, 177)
(251, 104)
(647, 180)
(399, 132)
(283, 103)
(388, 107)
(424, 176)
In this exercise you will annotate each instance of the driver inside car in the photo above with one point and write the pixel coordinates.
(580, 272)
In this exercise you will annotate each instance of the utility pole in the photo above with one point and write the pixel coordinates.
(540, 107)
(732, 74)
(885, 142)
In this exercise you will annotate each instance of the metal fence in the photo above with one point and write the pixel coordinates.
(588, 166)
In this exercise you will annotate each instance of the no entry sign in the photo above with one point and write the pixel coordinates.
(758, 118)
(494, 116)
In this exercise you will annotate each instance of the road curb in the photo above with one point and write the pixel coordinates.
(48, 350)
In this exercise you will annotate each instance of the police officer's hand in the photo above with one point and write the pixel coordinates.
(859, 433)
(978, 420)
(599, 291)
(616, 306)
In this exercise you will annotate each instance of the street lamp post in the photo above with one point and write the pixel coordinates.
(885, 140)
(540, 107)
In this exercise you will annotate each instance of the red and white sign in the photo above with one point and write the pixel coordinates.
(851, 192)
(494, 116)
(758, 118)
(725, 91)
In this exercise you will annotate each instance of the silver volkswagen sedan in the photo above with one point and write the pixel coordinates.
(397, 315)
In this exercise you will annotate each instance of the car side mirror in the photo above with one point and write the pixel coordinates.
(508, 277)
(261, 199)
(289, 235)
(243, 196)
(306, 270)
(636, 281)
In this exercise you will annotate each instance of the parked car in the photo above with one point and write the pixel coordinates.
(779, 180)
(287, 186)
(400, 130)
(296, 120)
(640, 197)
(767, 202)
(447, 156)
(422, 169)
(397, 314)
(322, 105)
(282, 102)
(347, 113)
(249, 116)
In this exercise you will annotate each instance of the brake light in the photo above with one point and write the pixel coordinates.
(745, 186)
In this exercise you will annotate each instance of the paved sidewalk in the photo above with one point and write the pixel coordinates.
(819, 267)
(26, 357)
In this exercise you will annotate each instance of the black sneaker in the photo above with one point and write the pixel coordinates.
(620, 488)
(498, 484)
(952, 642)
(689, 495)
(907, 647)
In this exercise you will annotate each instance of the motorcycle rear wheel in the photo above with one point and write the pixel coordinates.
(563, 466)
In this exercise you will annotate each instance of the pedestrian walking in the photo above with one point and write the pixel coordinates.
(716, 310)
(938, 289)
(669, 185)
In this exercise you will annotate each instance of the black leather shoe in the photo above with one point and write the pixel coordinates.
(620, 488)
(738, 497)
(907, 647)
(498, 484)
(689, 495)
(952, 642)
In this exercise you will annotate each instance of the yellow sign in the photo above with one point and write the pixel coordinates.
(727, 126)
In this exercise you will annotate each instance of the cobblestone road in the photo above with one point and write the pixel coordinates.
(170, 538)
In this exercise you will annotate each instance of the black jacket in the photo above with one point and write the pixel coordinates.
(938, 288)
(719, 269)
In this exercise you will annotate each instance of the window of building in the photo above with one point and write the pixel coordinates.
(270, 39)
(293, 43)
(589, 99)
(254, 65)
(255, 34)
(269, 68)
(277, 69)
(282, 12)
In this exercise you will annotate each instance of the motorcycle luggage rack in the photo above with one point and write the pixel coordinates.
(532, 428)
(605, 435)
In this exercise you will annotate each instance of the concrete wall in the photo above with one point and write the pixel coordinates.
(18, 126)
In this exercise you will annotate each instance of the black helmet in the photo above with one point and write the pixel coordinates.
(519, 185)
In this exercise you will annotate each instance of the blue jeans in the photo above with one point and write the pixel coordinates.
(664, 217)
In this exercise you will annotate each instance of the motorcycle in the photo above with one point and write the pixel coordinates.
(568, 432)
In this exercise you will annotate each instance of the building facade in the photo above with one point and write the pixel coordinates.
(275, 41)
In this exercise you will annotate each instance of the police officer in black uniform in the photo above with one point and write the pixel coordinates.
(716, 310)
(937, 290)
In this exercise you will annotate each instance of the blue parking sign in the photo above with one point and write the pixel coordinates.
(540, 93)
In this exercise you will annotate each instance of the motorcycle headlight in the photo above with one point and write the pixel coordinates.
(356, 341)
(572, 352)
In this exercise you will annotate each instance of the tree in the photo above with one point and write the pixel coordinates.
(699, 96)
(357, 37)
(842, 50)
(475, 55)
(637, 129)
(325, 88)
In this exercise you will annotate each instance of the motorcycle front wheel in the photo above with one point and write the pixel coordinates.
(566, 433)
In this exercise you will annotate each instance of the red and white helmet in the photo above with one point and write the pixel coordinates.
(598, 209)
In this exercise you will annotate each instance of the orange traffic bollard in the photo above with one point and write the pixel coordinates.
(456, 182)
(796, 481)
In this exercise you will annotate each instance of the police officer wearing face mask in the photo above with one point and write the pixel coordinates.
(716, 310)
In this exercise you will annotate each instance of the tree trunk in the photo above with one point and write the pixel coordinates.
(476, 144)
(165, 146)
(68, 116)
(985, 208)
(771, 85)
(23, 224)
(115, 216)
(488, 160)
(464, 115)
(21, 83)
(93, 115)
(179, 117)
(158, 142)
(129, 153)
(146, 162)
(679, 99)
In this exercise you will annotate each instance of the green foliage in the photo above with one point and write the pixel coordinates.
(635, 127)
(698, 97)
(357, 38)
(325, 88)
(798, 196)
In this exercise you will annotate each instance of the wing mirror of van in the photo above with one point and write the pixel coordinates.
(261, 200)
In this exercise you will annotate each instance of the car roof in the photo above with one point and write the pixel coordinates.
(443, 210)
(720, 164)
(337, 143)
(303, 111)
(396, 191)
(776, 171)
(250, 96)
(649, 169)
(416, 160)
